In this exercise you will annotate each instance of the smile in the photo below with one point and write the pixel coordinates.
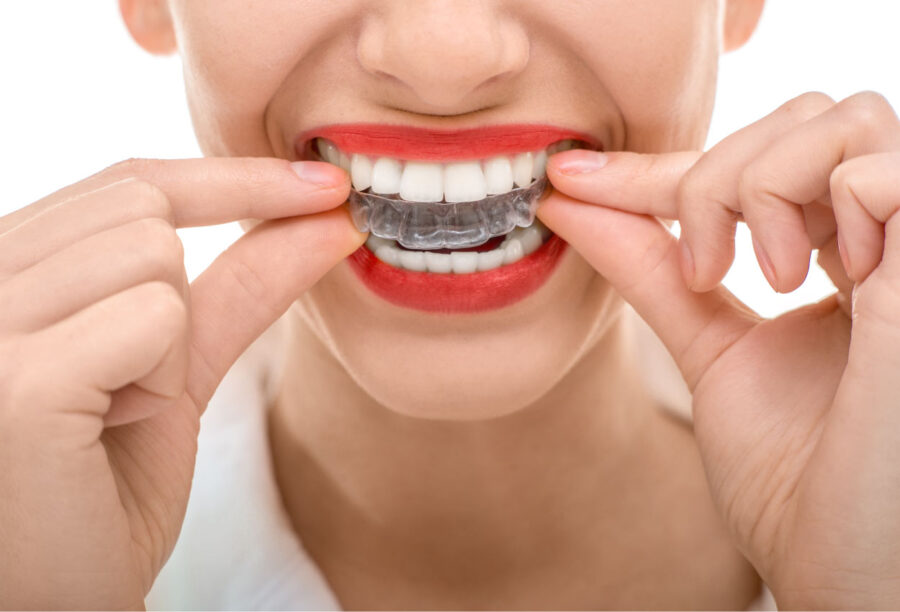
(450, 215)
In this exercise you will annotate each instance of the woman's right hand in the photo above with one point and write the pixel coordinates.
(108, 356)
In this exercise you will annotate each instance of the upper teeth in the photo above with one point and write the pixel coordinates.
(458, 181)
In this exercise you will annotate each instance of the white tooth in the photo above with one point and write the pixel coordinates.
(488, 260)
(438, 262)
(464, 182)
(498, 175)
(464, 262)
(422, 182)
(361, 172)
(531, 240)
(386, 176)
(344, 162)
(545, 231)
(522, 166)
(412, 260)
(329, 151)
(513, 251)
(373, 242)
(540, 164)
(388, 254)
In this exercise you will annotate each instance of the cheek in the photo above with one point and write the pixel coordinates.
(236, 56)
(657, 60)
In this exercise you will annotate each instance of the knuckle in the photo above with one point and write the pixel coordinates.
(147, 198)
(161, 248)
(808, 105)
(163, 308)
(133, 166)
(868, 110)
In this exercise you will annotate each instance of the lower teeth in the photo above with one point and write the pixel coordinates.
(517, 244)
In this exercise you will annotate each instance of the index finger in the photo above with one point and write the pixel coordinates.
(213, 190)
(641, 183)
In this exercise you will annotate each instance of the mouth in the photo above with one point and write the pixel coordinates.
(450, 215)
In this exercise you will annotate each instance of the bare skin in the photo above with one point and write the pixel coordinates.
(556, 464)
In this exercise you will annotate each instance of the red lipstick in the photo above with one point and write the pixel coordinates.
(406, 142)
(458, 293)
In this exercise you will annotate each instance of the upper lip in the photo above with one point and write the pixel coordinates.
(408, 142)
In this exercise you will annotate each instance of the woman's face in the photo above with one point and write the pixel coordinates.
(631, 74)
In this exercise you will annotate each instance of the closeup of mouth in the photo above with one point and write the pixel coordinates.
(450, 215)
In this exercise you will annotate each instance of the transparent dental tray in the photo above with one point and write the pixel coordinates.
(447, 225)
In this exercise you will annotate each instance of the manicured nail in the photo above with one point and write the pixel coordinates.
(687, 263)
(319, 173)
(766, 264)
(581, 162)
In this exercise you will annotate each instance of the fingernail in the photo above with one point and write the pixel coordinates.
(319, 173)
(766, 264)
(843, 253)
(580, 162)
(687, 263)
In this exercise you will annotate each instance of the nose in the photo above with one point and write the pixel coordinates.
(442, 50)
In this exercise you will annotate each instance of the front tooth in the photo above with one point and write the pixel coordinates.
(388, 254)
(540, 164)
(386, 176)
(530, 239)
(488, 260)
(361, 172)
(422, 182)
(464, 182)
(438, 263)
(522, 166)
(329, 151)
(373, 242)
(412, 260)
(464, 262)
(498, 175)
(513, 251)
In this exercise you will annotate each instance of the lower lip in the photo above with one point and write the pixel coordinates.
(458, 293)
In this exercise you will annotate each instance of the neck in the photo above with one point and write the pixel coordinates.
(352, 471)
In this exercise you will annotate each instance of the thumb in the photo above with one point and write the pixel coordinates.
(253, 283)
(639, 258)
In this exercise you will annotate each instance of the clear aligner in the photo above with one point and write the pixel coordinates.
(445, 225)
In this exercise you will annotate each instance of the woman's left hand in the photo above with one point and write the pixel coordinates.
(797, 418)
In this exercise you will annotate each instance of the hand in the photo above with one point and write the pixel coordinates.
(797, 418)
(108, 357)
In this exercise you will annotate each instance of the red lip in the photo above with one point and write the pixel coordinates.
(408, 142)
(458, 293)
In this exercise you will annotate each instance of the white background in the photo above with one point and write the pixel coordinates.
(78, 95)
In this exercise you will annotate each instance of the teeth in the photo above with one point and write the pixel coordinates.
(498, 175)
(540, 164)
(464, 182)
(422, 182)
(413, 260)
(519, 243)
(513, 251)
(386, 176)
(361, 172)
(522, 167)
(464, 262)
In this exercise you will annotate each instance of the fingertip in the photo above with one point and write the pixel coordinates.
(576, 162)
(320, 174)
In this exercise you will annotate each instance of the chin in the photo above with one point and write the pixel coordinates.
(459, 366)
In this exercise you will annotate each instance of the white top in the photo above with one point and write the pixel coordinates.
(237, 549)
